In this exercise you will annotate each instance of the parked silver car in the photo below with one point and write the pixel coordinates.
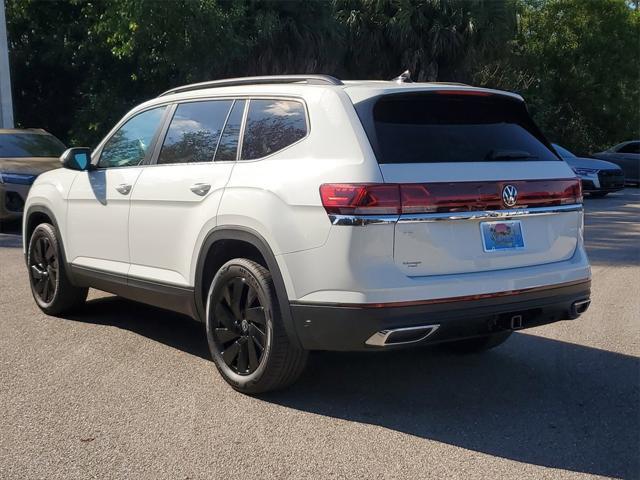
(627, 156)
(598, 177)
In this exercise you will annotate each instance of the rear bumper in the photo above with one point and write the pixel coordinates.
(350, 327)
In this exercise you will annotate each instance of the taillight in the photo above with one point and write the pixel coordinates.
(576, 192)
(412, 198)
(361, 199)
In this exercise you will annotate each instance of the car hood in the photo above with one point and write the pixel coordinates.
(581, 162)
(29, 165)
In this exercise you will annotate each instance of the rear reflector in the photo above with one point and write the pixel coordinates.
(396, 199)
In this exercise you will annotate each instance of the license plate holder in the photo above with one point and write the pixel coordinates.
(502, 235)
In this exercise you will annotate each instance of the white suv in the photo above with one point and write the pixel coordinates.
(299, 213)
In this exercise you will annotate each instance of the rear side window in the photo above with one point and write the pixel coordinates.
(432, 127)
(21, 145)
(194, 132)
(228, 146)
(271, 126)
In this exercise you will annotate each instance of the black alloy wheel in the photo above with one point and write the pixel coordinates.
(43, 268)
(245, 330)
(52, 290)
(240, 326)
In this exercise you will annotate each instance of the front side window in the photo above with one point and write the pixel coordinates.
(129, 145)
(194, 132)
(633, 147)
(271, 126)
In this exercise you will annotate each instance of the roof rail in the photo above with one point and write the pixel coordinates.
(264, 80)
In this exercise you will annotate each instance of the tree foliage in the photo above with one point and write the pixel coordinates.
(78, 66)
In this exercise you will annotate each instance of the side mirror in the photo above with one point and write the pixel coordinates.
(78, 158)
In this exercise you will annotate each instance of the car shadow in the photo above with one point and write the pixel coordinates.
(169, 328)
(612, 228)
(98, 183)
(532, 400)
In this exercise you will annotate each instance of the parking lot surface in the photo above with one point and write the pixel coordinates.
(121, 390)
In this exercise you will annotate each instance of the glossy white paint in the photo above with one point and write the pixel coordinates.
(449, 247)
(166, 218)
(50, 190)
(157, 230)
(97, 230)
(446, 247)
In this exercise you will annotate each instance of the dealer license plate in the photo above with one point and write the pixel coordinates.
(505, 235)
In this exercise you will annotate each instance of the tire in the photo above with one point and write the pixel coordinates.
(51, 288)
(245, 332)
(479, 344)
(598, 194)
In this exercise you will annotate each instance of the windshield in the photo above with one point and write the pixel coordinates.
(564, 153)
(20, 145)
(452, 127)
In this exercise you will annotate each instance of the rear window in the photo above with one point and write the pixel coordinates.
(17, 145)
(432, 127)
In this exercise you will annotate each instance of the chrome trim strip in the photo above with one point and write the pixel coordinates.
(363, 220)
(489, 214)
(379, 339)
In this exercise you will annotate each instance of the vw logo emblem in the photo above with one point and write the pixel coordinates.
(509, 195)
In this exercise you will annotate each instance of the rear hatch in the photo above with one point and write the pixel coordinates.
(480, 187)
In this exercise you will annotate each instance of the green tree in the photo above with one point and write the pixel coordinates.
(78, 66)
(434, 39)
(576, 63)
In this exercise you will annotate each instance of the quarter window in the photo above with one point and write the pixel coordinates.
(229, 140)
(129, 145)
(271, 126)
(194, 132)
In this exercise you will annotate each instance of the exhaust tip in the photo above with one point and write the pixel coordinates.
(401, 336)
(579, 307)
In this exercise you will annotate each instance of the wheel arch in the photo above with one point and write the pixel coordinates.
(239, 241)
(34, 216)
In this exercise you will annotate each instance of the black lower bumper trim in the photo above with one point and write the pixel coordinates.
(331, 327)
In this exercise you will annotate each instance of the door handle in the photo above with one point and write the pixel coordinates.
(200, 188)
(124, 188)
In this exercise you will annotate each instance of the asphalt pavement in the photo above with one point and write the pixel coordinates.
(122, 390)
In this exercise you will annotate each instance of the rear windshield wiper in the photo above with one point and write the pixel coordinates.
(509, 155)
